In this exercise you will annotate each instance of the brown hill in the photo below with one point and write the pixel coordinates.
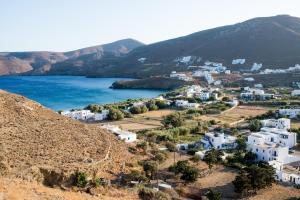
(36, 143)
(40, 62)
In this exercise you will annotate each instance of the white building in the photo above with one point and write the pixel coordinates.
(227, 72)
(126, 136)
(290, 113)
(296, 93)
(238, 61)
(254, 93)
(218, 141)
(86, 115)
(186, 104)
(180, 76)
(204, 96)
(281, 123)
(272, 144)
(287, 173)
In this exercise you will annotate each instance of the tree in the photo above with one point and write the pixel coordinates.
(115, 114)
(190, 174)
(242, 183)
(94, 108)
(144, 109)
(152, 106)
(249, 158)
(135, 110)
(241, 144)
(214, 195)
(173, 120)
(150, 168)
(213, 156)
(253, 178)
(179, 167)
(161, 104)
(171, 147)
(143, 146)
(255, 125)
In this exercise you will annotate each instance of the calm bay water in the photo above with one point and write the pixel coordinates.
(67, 92)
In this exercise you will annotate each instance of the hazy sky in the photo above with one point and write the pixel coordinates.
(60, 25)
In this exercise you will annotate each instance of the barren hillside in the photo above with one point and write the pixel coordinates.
(36, 143)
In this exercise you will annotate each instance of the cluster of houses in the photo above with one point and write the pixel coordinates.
(202, 93)
(180, 76)
(289, 112)
(250, 94)
(271, 144)
(86, 115)
(126, 136)
(281, 71)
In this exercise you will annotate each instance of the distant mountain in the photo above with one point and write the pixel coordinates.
(40, 62)
(273, 41)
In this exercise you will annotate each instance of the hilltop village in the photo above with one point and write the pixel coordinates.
(208, 140)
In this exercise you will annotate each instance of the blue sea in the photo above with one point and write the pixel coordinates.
(67, 92)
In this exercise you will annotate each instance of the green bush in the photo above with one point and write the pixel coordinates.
(150, 194)
(173, 120)
(171, 147)
(115, 114)
(81, 179)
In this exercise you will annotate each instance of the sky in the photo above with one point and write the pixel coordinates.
(62, 25)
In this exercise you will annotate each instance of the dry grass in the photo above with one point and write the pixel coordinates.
(157, 113)
(277, 192)
(35, 141)
(295, 125)
(235, 115)
(135, 124)
(16, 189)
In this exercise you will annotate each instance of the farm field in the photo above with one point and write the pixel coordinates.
(148, 120)
(235, 115)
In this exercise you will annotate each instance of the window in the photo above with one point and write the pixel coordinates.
(256, 150)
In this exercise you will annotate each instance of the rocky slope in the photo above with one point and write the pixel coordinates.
(38, 144)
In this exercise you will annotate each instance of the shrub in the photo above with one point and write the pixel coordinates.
(94, 108)
(171, 147)
(173, 120)
(135, 110)
(81, 179)
(161, 104)
(150, 194)
(190, 174)
(160, 156)
(150, 168)
(255, 125)
(214, 195)
(115, 114)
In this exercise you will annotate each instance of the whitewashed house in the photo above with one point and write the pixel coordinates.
(272, 144)
(281, 123)
(204, 96)
(218, 141)
(240, 61)
(186, 104)
(79, 114)
(287, 173)
(180, 76)
(254, 93)
(290, 113)
(126, 136)
(296, 93)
